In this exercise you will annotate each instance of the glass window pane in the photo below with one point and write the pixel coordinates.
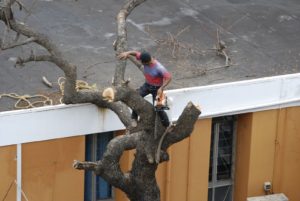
(209, 194)
(211, 153)
(96, 188)
(103, 189)
(223, 193)
(225, 150)
(88, 174)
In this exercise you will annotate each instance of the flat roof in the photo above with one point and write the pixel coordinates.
(262, 38)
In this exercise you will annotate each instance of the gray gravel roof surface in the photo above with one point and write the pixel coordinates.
(262, 38)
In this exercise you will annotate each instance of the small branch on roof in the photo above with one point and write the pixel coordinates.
(20, 4)
(220, 47)
(46, 82)
(21, 61)
(173, 43)
(10, 46)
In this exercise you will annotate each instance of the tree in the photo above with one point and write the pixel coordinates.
(139, 183)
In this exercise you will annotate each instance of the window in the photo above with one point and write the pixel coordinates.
(221, 159)
(95, 188)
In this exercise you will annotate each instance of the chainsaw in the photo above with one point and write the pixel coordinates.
(161, 102)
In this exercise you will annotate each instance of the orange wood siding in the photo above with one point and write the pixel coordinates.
(267, 149)
(178, 167)
(188, 167)
(254, 153)
(287, 164)
(162, 179)
(8, 170)
(262, 151)
(199, 154)
(47, 172)
(243, 143)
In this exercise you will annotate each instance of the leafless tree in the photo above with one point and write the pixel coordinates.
(139, 183)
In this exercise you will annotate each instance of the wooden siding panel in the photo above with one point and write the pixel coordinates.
(178, 171)
(8, 169)
(47, 170)
(264, 126)
(199, 161)
(287, 166)
(243, 144)
(162, 177)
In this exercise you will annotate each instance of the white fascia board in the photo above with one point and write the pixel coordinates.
(239, 97)
(52, 122)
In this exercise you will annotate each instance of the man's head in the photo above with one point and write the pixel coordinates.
(145, 58)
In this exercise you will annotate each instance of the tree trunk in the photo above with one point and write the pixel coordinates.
(143, 186)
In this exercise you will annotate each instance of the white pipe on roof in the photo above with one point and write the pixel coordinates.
(59, 121)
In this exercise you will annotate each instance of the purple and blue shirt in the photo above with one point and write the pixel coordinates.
(155, 73)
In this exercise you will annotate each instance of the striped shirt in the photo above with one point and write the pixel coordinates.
(155, 73)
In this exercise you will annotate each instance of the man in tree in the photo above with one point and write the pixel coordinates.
(156, 79)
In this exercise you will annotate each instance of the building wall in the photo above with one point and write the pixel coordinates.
(8, 169)
(255, 153)
(243, 143)
(267, 149)
(262, 150)
(287, 156)
(47, 171)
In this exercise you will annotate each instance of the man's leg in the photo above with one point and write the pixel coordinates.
(164, 118)
(143, 91)
(162, 114)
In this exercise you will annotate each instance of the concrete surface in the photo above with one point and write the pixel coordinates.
(262, 38)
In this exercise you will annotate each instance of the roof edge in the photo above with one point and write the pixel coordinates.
(59, 121)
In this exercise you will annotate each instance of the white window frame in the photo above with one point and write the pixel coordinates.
(214, 183)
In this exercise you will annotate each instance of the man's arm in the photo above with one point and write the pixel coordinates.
(133, 56)
(166, 81)
(125, 55)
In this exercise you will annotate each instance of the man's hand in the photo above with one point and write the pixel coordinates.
(159, 92)
(123, 55)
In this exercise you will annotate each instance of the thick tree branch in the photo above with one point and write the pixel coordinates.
(121, 43)
(184, 126)
(85, 165)
(108, 167)
(131, 98)
(41, 39)
(95, 97)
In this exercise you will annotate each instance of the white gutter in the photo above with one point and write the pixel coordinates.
(60, 121)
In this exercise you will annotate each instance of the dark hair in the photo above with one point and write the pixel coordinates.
(145, 57)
